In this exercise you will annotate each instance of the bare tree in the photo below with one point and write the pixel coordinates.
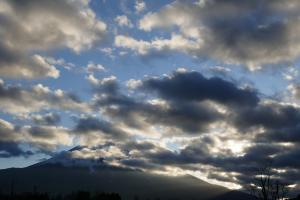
(266, 186)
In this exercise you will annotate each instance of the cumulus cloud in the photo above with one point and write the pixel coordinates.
(104, 128)
(17, 100)
(123, 20)
(249, 33)
(49, 25)
(133, 84)
(13, 64)
(47, 138)
(219, 71)
(92, 67)
(175, 43)
(193, 86)
(139, 6)
(60, 62)
(47, 119)
(270, 115)
(229, 129)
(41, 139)
(183, 121)
(11, 149)
(7, 132)
(223, 127)
(184, 102)
(295, 91)
(191, 117)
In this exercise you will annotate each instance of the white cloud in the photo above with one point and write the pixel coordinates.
(92, 79)
(92, 67)
(294, 89)
(241, 41)
(28, 67)
(175, 43)
(49, 25)
(107, 50)
(123, 20)
(60, 62)
(132, 84)
(290, 74)
(139, 6)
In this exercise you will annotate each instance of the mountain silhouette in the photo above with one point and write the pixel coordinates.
(60, 177)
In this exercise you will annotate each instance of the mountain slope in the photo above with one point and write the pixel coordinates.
(58, 178)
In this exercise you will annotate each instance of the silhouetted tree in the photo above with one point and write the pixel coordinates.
(136, 197)
(12, 188)
(107, 196)
(267, 187)
(297, 198)
(80, 195)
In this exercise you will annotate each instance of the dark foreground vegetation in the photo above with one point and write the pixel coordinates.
(80, 195)
(297, 198)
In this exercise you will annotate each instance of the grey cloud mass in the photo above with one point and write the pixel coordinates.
(47, 119)
(17, 99)
(91, 124)
(188, 116)
(32, 26)
(193, 86)
(203, 118)
(41, 138)
(251, 33)
(194, 104)
(218, 125)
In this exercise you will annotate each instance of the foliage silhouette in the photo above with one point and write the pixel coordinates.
(79, 195)
(266, 186)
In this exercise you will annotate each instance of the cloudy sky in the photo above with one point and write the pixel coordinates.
(206, 87)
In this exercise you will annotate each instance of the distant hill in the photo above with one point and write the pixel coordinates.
(58, 178)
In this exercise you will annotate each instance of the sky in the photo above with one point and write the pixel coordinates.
(208, 87)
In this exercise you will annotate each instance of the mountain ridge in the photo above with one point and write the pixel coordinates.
(55, 177)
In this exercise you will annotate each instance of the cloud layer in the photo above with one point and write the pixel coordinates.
(16, 99)
(252, 33)
(34, 25)
(205, 120)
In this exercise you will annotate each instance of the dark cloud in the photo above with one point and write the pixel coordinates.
(42, 132)
(141, 164)
(289, 134)
(16, 99)
(47, 119)
(185, 104)
(12, 149)
(140, 146)
(189, 116)
(270, 116)
(187, 101)
(92, 124)
(214, 116)
(185, 107)
(9, 132)
(10, 141)
(45, 139)
(193, 86)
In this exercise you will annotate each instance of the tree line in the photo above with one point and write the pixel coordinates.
(79, 195)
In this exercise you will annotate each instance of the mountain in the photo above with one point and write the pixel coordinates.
(58, 177)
